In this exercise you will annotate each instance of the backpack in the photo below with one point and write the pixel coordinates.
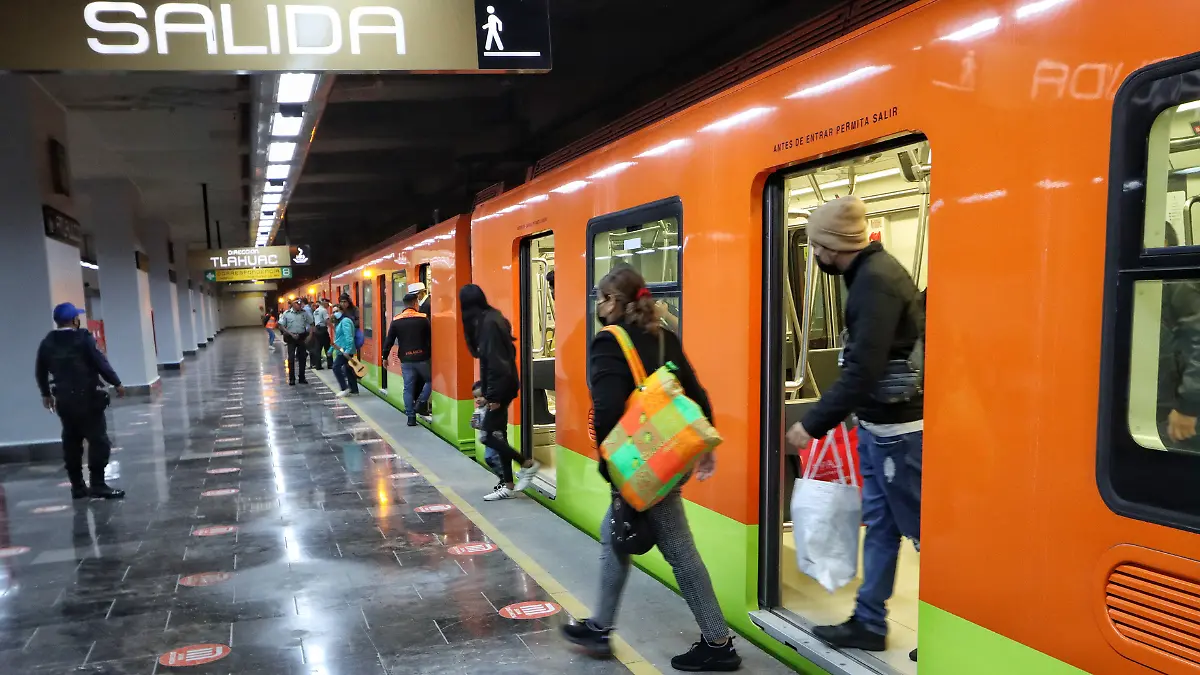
(359, 338)
(659, 438)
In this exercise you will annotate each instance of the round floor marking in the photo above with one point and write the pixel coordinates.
(530, 610)
(227, 453)
(226, 469)
(434, 508)
(205, 579)
(54, 508)
(213, 530)
(12, 551)
(194, 655)
(405, 474)
(223, 492)
(65, 483)
(473, 549)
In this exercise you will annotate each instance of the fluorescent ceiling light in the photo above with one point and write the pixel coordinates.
(674, 247)
(573, 186)
(1035, 8)
(611, 170)
(90, 266)
(281, 151)
(278, 171)
(645, 251)
(663, 149)
(739, 118)
(1188, 106)
(271, 199)
(840, 81)
(266, 223)
(982, 197)
(536, 199)
(271, 187)
(295, 87)
(845, 182)
(981, 27)
(286, 127)
(1192, 169)
(510, 209)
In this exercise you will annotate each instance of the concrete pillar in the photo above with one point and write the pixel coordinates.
(164, 297)
(41, 271)
(210, 297)
(112, 213)
(183, 290)
(201, 306)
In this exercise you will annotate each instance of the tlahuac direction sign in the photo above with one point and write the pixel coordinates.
(275, 35)
(240, 258)
(252, 274)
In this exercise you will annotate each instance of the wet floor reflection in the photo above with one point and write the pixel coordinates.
(267, 529)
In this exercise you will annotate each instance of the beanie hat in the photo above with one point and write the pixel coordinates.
(839, 225)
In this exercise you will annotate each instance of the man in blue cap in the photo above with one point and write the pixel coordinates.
(69, 368)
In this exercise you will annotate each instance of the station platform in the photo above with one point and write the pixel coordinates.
(277, 529)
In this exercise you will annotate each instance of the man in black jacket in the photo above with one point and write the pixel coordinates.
(880, 385)
(68, 371)
(411, 332)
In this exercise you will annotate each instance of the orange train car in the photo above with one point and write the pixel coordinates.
(440, 258)
(1060, 521)
(1060, 514)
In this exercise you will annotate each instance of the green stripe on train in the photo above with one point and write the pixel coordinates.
(451, 418)
(951, 645)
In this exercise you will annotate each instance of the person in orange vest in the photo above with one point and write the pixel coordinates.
(411, 332)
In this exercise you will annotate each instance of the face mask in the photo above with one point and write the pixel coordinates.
(337, 315)
(828, 268)
(600, 318)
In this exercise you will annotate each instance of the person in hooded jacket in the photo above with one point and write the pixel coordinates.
(490, 339)
(625, 301)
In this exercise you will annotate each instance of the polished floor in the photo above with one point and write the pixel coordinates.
(267, 529)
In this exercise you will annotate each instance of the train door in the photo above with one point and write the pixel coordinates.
(399, 289)
(538, 437)
(381, 291)
(803, 323)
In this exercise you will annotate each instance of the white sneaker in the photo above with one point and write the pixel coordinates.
(525, 476)
(383, 391)
(501, 493)
(343, 393)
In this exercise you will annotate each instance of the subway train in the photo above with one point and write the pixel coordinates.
(1037, 162)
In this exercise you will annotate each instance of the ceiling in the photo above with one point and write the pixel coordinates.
(168, 134)
(394, 151)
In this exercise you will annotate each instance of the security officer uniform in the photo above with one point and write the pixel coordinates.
(69, 369)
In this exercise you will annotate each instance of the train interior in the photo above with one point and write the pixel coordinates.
(1163, 309)
(653, 249)
(538, 437)
(895, 185)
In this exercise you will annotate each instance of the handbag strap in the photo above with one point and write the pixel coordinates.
(631, 355)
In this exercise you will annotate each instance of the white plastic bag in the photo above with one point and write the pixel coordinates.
(826, 517)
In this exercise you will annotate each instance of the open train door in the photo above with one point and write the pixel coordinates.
(538, 429)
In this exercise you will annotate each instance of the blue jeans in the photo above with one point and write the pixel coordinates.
(270, 338)
(412, 372)
(891, 492)
(345, 376)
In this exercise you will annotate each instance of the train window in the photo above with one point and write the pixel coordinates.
(1149, 451)
(368, 304)
(399, 290)
(649, 239)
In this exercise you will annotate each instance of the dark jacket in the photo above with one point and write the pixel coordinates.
(884, 318)
(611, 381)
(1179, 350)
(71, 362)
(497, 358)
(411, 332)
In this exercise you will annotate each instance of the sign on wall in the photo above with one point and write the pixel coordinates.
(275, 35)
(300, 255)
(61, 227)
(241, 258)
(248, 274)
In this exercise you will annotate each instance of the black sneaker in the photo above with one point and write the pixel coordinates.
(303, 381)
(102, 491)
(706, 657)
(852, 635)
(912, 656)
(79, 491)
(412, 421)
(594, 642)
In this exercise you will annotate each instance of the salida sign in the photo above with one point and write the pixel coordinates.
(269, 35)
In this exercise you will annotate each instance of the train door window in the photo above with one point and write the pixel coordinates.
(367, 315)
(649, 239)
(399, 290)
(538, 429)
(805, 317)
(1149, 451)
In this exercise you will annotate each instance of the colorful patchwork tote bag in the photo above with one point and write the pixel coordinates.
(659, 438)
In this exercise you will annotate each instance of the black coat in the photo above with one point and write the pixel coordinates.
(884, 318)
(71, 361)
(497, 358)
